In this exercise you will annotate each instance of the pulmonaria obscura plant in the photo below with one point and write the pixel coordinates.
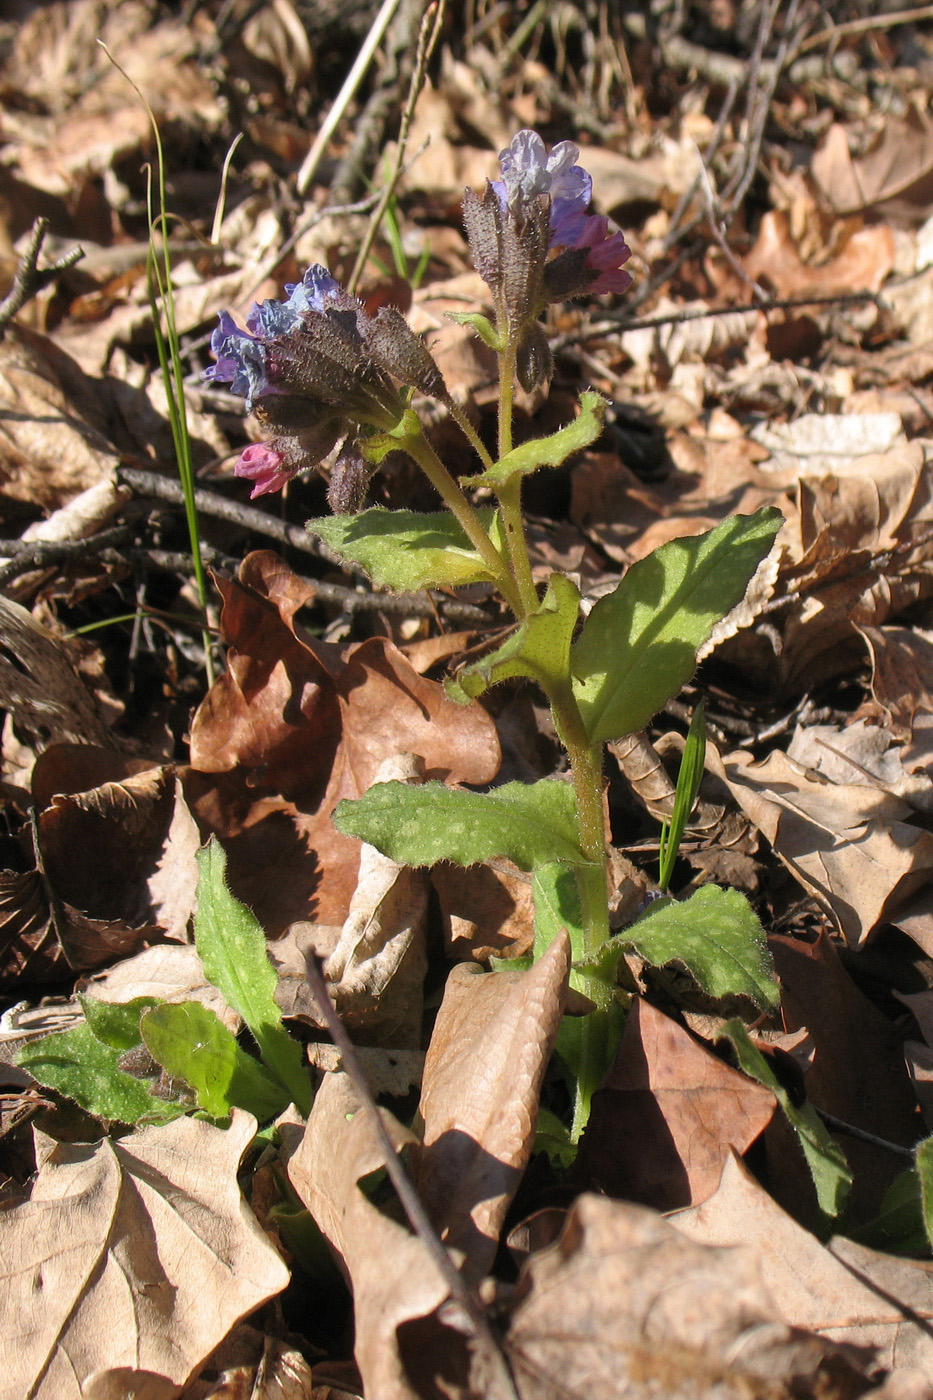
(316, 370)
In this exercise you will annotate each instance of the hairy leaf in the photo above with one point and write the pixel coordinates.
(406, 550)
(116, 1023)
(191, 1042)
(826, 1160)
(232, 948)
(639, 644)
(539, 649)
(79, 1065)
(715, 934)
(530, 824)
(550, 451)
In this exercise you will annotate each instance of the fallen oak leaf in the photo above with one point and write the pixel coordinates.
(618, 1307)
(135, 1255)
(816, 1287)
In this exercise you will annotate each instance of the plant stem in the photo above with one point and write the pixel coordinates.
(510, 493)
(452, 495)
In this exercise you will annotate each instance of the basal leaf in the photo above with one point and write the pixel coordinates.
(405, 550)
(539, 648)
(639, 644)
(116, 1023)
(82, 1067)
(232, 947)
(191, 1042)
(716, 935)
(530, 824)
(826, 1160)
(549, 451)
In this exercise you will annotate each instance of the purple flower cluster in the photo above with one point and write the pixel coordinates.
(315, 368)
(530, 173)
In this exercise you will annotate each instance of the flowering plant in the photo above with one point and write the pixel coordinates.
(317, 370)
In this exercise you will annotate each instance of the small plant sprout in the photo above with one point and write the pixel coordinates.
(318, 370)
(688, 786)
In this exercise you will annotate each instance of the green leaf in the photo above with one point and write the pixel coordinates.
(826, 1160)
(639, 644)
(191, 1042)
(923, 1160)
(715, 934)
(899, 1227)
(116, 1023)
(553, 1137)
(405, 550)
(530, 824)
(481, 324)
(539, 648)
(232, 947)
(77, 1064)
(549, 451)
(688, 785)
(557, 905)
(377, 447)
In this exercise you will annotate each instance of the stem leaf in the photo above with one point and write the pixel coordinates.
(826, 1160)
(550, 451)
(715, 934)
(529, 824)
(539, 649)
(639, 644)
(232, 947)
(406, 550)
(191, 1042)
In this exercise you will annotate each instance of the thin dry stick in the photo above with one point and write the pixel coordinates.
(411, 1202)
(28, 280)
(862, 26)
(344, 97)
(428, 36)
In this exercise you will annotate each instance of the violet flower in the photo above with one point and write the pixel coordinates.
(579, 254)
(314, 369)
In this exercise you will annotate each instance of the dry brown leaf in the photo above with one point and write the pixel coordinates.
(857, 1071)
(862, 264)
(902, 675)
(482, 1080)
(42, 691)
(377, 969)
(393, 1277)
(170, 971)
(293, 726)
(485, 912)
(53, 440)
(120, 859)
(818, 1288)
(135, 1255)
(666, 1116)
(848, 844)
(29, 950)
(622, 1307)
(896, 172)
(866, 751)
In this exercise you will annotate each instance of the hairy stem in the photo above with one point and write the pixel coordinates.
(452, 495)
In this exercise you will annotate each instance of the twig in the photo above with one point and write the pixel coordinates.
(862, 26)
(408, 1196)
(428, 36)
(28, 280)
(24, 555)
(850, 1130)
(621, 321)
(350, 84)
(210, 503)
